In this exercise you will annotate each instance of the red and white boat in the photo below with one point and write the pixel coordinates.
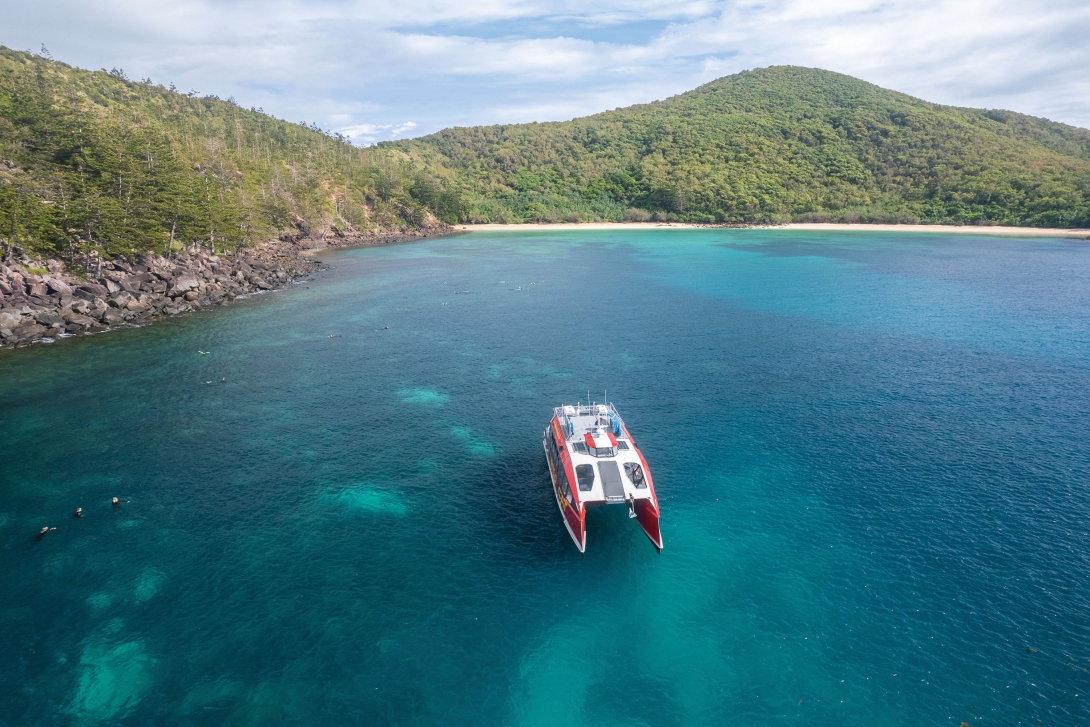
(590, 448)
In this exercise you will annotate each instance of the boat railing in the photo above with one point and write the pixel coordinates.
(606, 416)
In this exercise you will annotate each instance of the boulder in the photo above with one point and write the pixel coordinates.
(40, 290)
(90, 291)
(256, 281)
(29, 332)
(51, 320)
(59, 286)
(5, 288)
(112, 287)
(9, 319)
(192, 295)
(121, 299)
(83, 321)
(185, 282)
(6, 333)
(112, 317)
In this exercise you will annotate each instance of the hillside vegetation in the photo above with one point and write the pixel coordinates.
(774, 144)
(94, 165)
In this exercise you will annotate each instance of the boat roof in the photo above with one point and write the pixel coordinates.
(601, 453)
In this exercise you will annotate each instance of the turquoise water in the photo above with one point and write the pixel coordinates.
(870, 451)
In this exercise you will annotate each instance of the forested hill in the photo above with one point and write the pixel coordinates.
(774, 144)
(95, 164)
(92, 163)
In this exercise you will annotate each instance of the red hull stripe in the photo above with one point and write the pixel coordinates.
(648, 517)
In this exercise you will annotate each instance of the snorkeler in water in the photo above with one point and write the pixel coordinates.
(78, 512)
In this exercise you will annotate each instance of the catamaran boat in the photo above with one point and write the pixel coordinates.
(593, 460)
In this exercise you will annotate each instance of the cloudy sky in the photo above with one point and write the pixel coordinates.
(392, 69)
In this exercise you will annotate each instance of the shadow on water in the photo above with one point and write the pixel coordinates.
(526, 521)
(520, 507)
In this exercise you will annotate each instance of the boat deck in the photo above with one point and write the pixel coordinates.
(607, 465)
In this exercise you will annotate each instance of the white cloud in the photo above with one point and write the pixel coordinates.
(362, 66)
(368, 134)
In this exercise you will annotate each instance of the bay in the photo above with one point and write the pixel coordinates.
(870, 452)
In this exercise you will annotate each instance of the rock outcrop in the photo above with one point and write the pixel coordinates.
(39, 301)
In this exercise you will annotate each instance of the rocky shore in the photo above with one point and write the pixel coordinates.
(41, 301)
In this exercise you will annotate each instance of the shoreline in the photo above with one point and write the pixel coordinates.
(992, 230)
(40, 302)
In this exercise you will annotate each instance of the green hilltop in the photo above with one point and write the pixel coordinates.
(770, 145)
(95, 164)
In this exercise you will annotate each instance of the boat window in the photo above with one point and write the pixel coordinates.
(553, 451)
(635, 474)
(561, 475)
(604, 452)
(565, 488)
(585, 474)
(562, 481)
(579, 447)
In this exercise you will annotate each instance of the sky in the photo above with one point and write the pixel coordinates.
(392, 70)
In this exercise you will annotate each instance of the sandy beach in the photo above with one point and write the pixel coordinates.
(955, 229)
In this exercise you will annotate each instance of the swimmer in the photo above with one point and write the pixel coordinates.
(78, 512)
(42, 533)
(116, 503)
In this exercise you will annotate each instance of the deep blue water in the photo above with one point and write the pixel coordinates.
(871, 452)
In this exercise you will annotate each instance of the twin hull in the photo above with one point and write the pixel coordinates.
(562, 449)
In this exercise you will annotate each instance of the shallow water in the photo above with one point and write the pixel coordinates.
(870, 451)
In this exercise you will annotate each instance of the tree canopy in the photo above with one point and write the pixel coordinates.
(773, 144)
(95, 164)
